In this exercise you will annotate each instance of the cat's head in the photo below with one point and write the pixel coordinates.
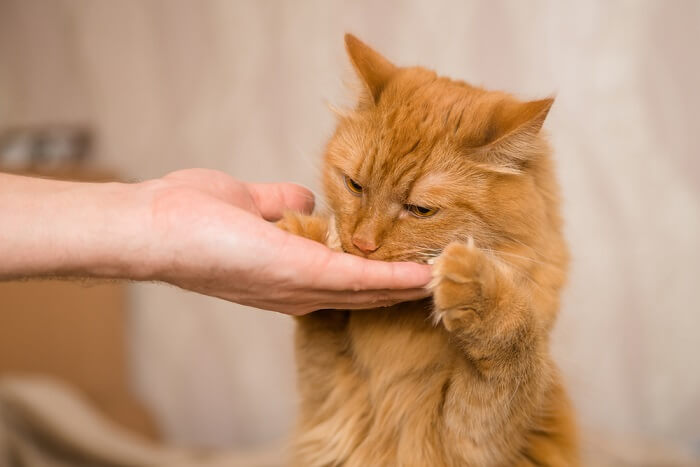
(424, 160)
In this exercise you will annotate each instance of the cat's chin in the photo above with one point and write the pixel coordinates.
(391, 258)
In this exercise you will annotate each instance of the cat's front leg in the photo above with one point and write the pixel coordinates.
(499, 387)
(484, 305)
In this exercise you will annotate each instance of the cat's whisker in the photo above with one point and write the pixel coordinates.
(524, 245)
(525, 258)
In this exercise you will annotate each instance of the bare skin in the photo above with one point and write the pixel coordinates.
(200, 230)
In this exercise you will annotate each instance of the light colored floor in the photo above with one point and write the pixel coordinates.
(240, 86)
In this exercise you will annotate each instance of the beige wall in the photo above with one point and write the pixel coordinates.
(240, 86)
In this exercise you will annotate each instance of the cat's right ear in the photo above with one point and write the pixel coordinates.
(512, 130)
(374, 70)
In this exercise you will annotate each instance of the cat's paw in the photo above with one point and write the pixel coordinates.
(312, 227)
(463, 275)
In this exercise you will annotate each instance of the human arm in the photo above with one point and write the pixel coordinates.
(198, 229)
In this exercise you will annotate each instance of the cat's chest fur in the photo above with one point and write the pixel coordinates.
(400, 364)
(391, 344)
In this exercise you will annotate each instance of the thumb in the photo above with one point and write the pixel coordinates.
(273, 199)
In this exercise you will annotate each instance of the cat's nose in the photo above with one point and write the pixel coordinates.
(365, 245)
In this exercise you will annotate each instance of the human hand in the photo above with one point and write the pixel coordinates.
(211, 234)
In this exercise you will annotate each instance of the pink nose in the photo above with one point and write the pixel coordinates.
(365, 245)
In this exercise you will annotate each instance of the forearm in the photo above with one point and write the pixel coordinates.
(56, 228)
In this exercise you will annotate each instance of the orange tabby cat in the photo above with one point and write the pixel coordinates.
(433, 170)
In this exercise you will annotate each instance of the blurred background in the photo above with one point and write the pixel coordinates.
(133, 89)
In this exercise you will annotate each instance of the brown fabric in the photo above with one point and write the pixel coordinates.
(47, 424)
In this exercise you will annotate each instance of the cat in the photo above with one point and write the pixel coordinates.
(437, 171)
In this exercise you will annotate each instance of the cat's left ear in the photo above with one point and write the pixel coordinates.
(374, 70)
(513, 130)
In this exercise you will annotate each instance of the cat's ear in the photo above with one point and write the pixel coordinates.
(511, 134)
(374, 70)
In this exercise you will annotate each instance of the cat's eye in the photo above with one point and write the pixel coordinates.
(354, 187)
(420, 211)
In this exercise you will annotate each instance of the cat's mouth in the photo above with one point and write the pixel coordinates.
(420, 256)
(407, 256)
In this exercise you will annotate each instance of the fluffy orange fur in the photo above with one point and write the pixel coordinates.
(433, 170)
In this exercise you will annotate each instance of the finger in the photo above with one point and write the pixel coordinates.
(342, 306)
(370, 298)
(272, 199)
(320, 268)
(347, 272)
(364, 300)
(367, 299)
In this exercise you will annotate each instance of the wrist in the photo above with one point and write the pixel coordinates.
(117, 232)
(99, 230)
(145, 257)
